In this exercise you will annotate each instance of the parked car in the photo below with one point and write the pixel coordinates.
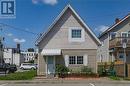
(28, 66)
(7, 68)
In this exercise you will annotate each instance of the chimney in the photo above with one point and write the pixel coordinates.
(117, 20)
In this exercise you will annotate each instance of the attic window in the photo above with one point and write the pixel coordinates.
(76, 34)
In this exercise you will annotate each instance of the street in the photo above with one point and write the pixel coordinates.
(69, 84)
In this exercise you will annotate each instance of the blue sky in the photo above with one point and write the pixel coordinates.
(36, 16)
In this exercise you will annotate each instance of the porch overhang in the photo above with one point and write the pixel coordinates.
(51, 52)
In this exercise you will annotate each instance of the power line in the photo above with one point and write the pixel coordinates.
(16, 28)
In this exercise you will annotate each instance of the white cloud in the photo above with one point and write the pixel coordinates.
(35, 1)
(101, 28)
(49, 2)
(9, 34)
(19, 40)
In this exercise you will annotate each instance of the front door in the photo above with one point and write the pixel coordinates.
(50, 65)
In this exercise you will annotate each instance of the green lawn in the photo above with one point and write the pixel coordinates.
(27, 75)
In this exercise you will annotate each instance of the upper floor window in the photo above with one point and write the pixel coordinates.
(112, 35)
(76, 33)
(124, 34)
(129, 34)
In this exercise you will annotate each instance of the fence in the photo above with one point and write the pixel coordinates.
(119, 68)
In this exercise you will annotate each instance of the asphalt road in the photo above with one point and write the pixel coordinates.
(68, 84)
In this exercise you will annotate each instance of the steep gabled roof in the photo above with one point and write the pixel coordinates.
(116, 24)
(59, 16)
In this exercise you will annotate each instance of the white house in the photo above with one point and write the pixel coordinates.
(29, 56)
(69, 42)
(13, 55)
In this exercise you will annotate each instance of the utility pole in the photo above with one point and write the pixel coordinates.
(1, 50)
(1, 47)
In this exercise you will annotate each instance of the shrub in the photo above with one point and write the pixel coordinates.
(102, 70)
(111, 71)
(61, 70)
(86, 70)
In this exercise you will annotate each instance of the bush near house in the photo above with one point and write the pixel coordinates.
(86, 70)
(27, 75)
(64, 72)
(61, 70)
(106, 70)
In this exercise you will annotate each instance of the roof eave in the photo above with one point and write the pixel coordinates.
(113, 26)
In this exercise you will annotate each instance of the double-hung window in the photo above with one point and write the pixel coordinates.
(75, 59)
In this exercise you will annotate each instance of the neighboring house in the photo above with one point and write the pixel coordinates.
(29, 56)
(13, 56)
(112, 42)
(68, 41)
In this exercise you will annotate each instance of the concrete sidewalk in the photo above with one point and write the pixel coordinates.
(37, 81)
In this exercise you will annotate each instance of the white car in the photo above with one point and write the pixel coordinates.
(28, 66)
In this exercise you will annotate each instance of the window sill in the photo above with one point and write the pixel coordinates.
(75, 65)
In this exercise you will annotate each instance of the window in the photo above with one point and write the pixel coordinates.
(75, 59)
(121, 56)
(76, 33)
(124, 34)
(113, 35)
(72, 60)
(79, 59)
(129, 34)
